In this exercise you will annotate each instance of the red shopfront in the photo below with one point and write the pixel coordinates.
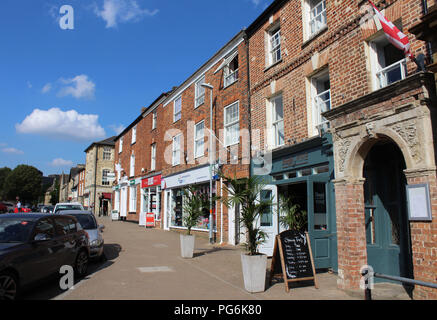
(151, 198)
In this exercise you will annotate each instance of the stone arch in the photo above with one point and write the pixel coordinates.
(355, 162)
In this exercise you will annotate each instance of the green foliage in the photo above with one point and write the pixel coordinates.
(292, 216)
(25, 182)
(54, 195)
(245, 194)
(193, 206)
(4, 172)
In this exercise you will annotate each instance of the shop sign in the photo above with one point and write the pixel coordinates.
(293, 161)
(151, 182)
(132, 182)
(190, 177)
(150, 219)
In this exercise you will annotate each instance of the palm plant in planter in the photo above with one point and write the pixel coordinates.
(192, 208)
(245, 193)
(292, 216)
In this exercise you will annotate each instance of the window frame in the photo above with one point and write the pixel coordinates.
(107, 155)
(198, 87)
(315, 111)
(132, 165)
(120, 145)
(134, 135)
(232, 123)
(272, 32)
(227, 74)
(176, 160)
(275, 122)
(105, 181)
(153, 157)
(133, 198)
(308, 19)
(196, 139)
(179, 113)
(154, 119)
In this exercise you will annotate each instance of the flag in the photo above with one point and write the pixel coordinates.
(394, 36)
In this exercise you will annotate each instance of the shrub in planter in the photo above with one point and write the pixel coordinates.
(192, 208)
(245, 193)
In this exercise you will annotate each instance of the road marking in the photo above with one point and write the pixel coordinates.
(155, 269)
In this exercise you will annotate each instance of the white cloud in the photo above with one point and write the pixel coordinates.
(59, 162)
(29, 84)
(47, 88)
(81, 88)
(117, 128)
(116, 11)
(62, 124)
(2, 144)
(12, 151)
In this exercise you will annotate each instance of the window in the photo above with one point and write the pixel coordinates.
(277, 120)
(321, 101)
(199, 92)
(46, 228)
(199, 139)
(274, 46)
(232, 124)
(105, 181)
(153, 157)
(388, 63)
(132, 166)
(177, 109)
(107, 155)
(154, 118)
(134, 134)
(315, 14)
(176, 158)
(120, 145)
(230, 72)
(133, 199)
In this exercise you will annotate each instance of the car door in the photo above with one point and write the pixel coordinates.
(64, 238)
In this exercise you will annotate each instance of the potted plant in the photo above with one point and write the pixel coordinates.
(192, 208)
(245, 193)
(292, 216)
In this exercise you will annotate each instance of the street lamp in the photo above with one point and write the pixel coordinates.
(208, 86)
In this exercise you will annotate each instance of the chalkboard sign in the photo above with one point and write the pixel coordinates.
(292, 258)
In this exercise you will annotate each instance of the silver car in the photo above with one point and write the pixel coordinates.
(89, 224)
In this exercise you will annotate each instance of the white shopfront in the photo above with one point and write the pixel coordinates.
(173, 187)
(150, 199)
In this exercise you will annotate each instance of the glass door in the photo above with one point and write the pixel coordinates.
(268, 222)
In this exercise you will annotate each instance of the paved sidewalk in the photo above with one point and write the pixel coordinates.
(146, 264)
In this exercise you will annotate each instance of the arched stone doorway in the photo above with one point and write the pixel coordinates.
(388, 241)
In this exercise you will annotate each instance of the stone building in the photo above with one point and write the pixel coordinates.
(98, 170)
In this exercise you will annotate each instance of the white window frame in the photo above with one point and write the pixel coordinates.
(199, 92)
(105, 181)
(132, 166)
(176, 150)
(379, 73)
(107, 155)
(120, 145)
(134, 134)
(276, 123)
(133, 198)
(311, 17)
(274, 45)
(234, 122)
(230, 77)
(319, 102)
(177, 115)
(199, 153)
(153, 157)
(154, 118)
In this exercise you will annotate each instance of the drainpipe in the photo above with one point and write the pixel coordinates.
(221, 211)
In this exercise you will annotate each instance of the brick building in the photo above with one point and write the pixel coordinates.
(351, 127)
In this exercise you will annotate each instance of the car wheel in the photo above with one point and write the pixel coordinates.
(8, 286)
(81, 265)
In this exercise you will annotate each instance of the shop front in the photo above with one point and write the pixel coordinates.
(151, 199)
(174, 187)
(302, 173)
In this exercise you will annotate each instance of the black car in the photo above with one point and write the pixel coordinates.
(34, 246)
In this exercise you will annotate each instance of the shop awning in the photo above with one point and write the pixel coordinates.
(106, 195)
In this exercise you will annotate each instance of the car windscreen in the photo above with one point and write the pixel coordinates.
(68, 207)
(15, 230)
(86, 221)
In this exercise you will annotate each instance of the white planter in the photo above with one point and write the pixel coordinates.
(187, 245)
(254, 272)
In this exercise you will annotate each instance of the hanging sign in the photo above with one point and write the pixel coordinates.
(292, 258)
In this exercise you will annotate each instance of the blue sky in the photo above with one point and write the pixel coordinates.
(60, 90)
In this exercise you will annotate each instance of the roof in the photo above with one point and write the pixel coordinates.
(106, 142)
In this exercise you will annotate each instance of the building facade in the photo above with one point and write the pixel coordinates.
(98, 172)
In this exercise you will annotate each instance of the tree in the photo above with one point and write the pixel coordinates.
(54, 194)
(245, 193)
(4, 172)
(193, 207)
(23, 182)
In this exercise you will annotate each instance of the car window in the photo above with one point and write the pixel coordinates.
(87, 221)
(68, 207)
(72, 225)
(45, 226)
(65, 225)
(15, 230)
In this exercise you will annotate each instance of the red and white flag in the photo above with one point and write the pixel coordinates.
(396, 37)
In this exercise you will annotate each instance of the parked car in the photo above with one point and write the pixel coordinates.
(95, 232)
(68, 206)
(10, 206)
(47, 209)
(34, 246)
(26, 209)
(3, 208)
